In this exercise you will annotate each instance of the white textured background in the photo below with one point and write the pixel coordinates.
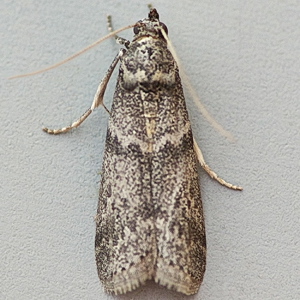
(243, 57)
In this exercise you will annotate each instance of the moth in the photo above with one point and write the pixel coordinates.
(149, 222)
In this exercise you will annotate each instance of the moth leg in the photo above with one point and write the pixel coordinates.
(119, 40)
(98, 99)
(210, 172)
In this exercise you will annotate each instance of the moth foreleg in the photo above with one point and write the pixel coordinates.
(98, 99)
(119, 40)
(210, 172)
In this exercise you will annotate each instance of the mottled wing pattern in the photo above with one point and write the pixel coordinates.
(149, 223)
(180, 231)
(125, 222)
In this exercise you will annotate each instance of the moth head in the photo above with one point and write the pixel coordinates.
(150, 27)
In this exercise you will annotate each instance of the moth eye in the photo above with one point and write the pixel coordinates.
(136, 29)
(164, 27)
